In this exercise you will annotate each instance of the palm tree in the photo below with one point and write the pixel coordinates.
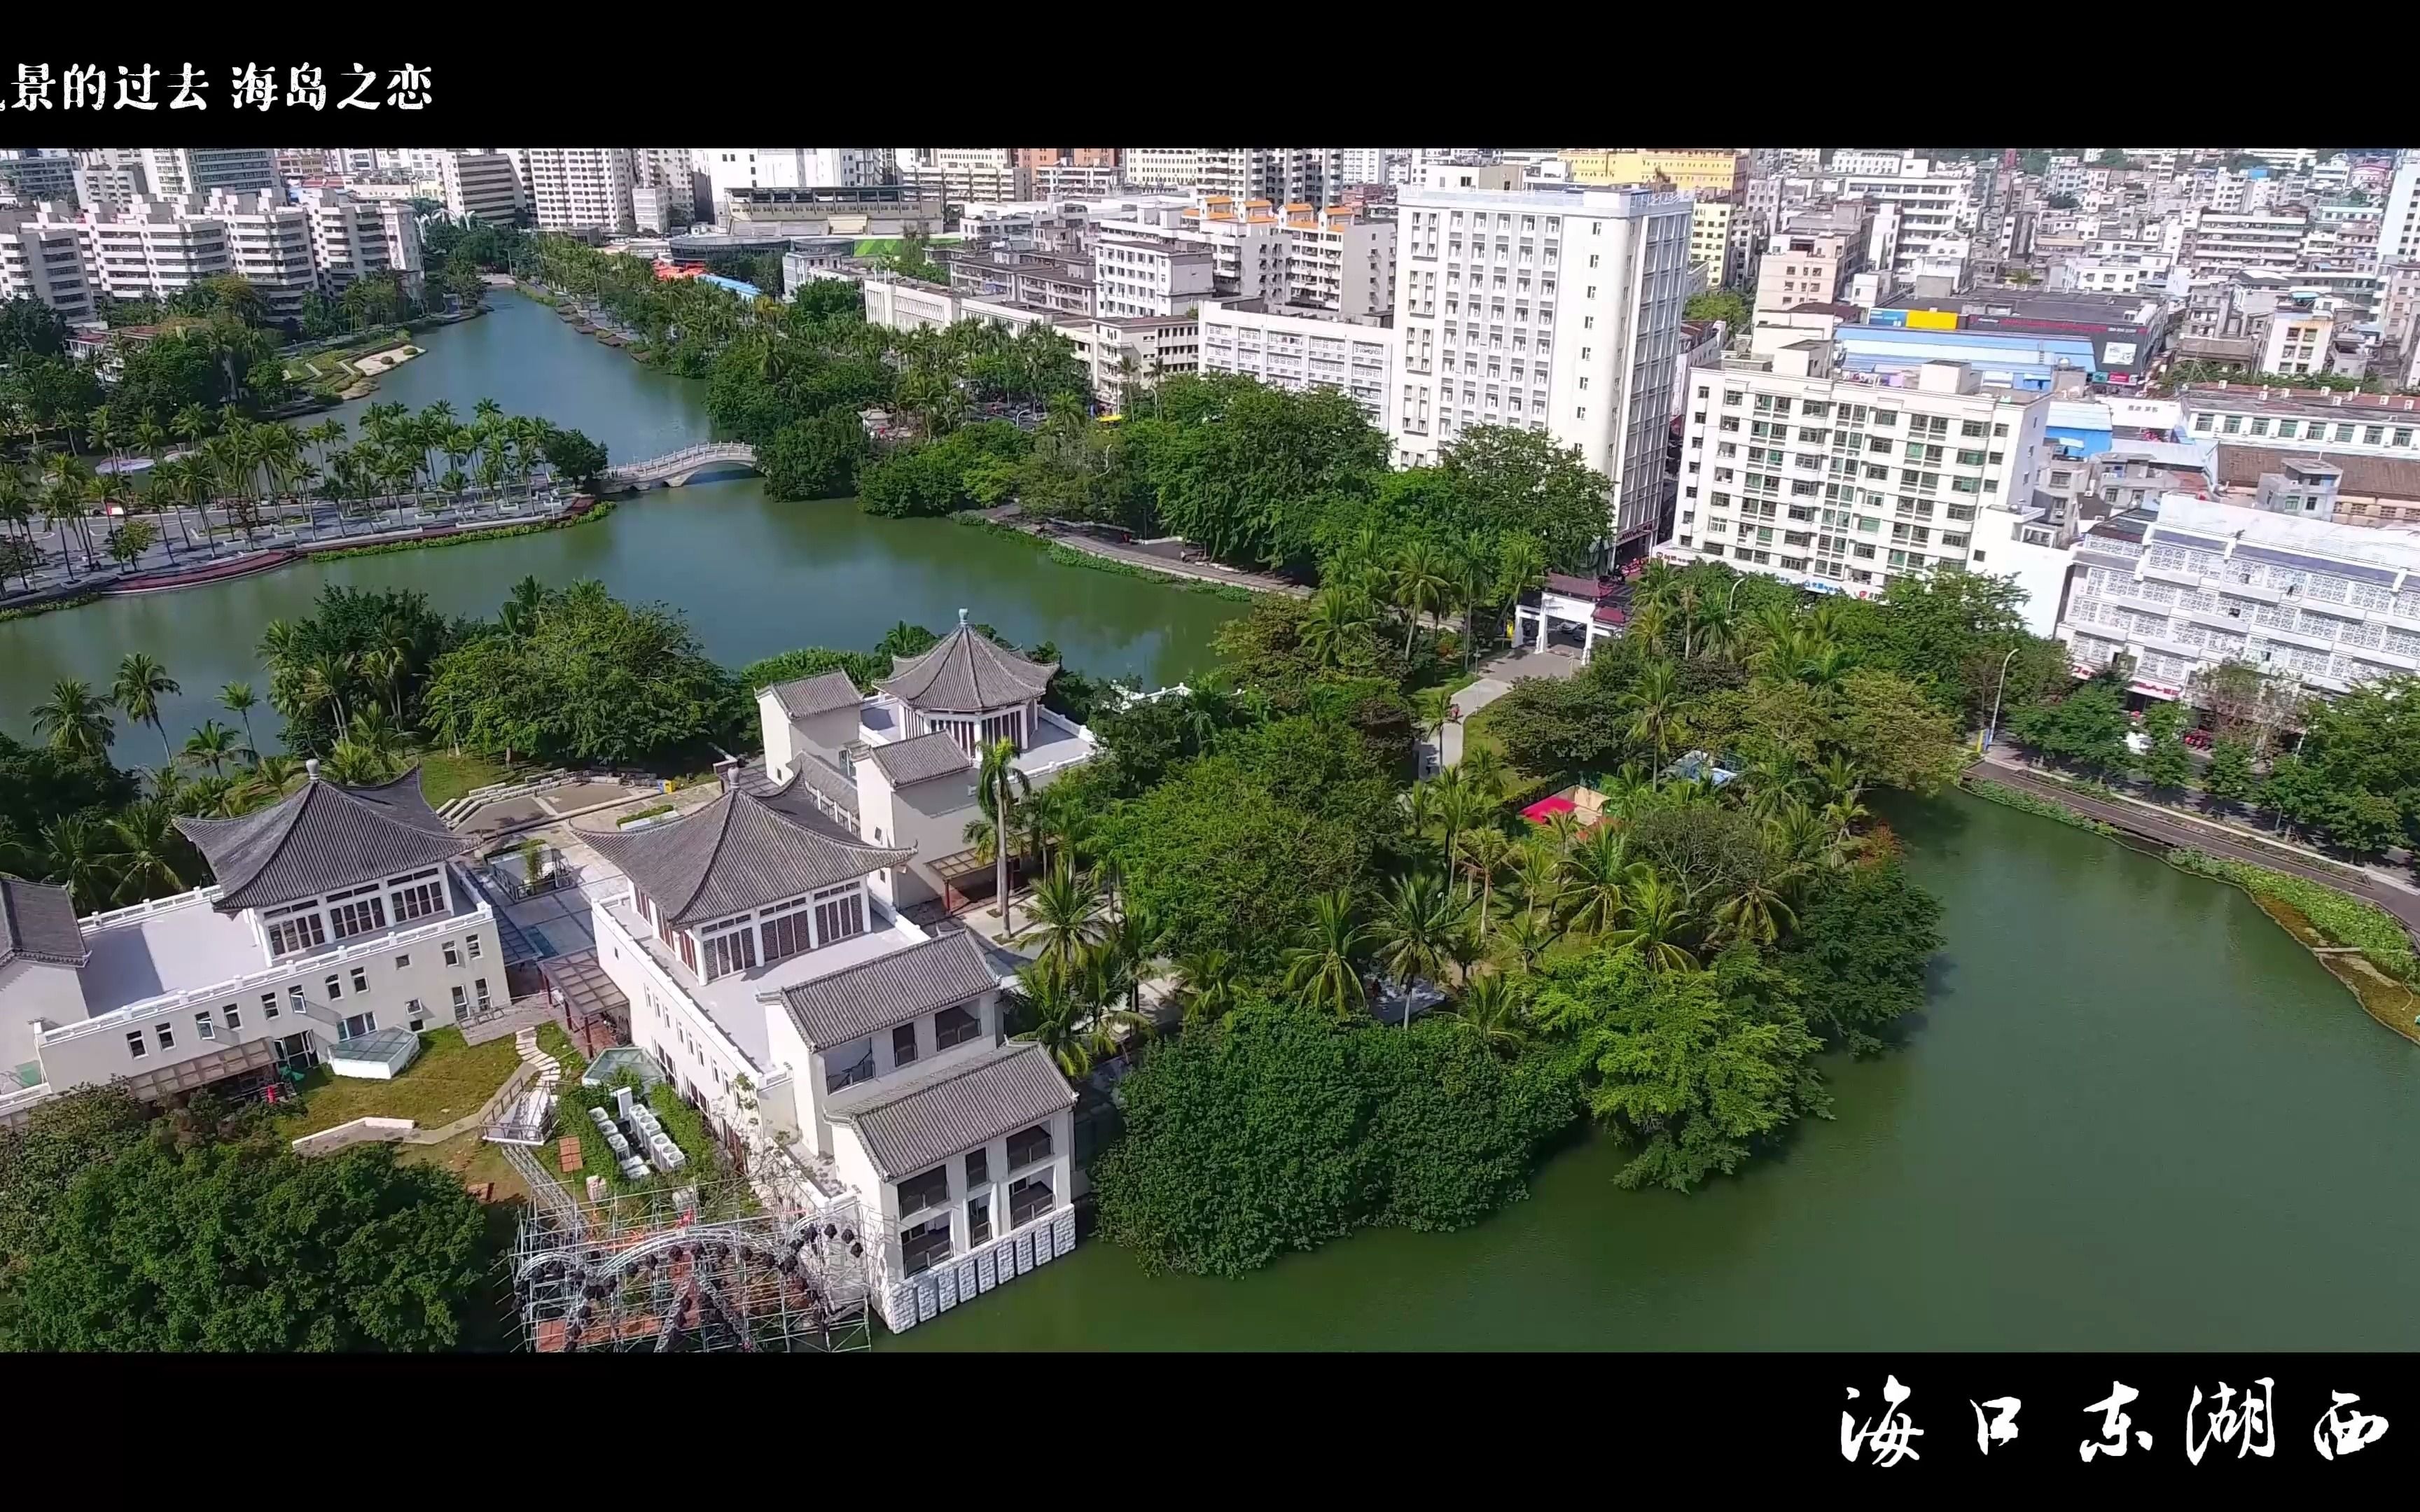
(145, 848)
(1539, 871)
(74, 721)
(1526, 939)
(1759, 911)
(273, 775)
(994, 786)
(1653, 704)
(1067, 915)
(1456, 807)
(1413, 928)
(1598, 873)
(1337, 623)
(140, 684)
(325, 679)
(77, 855)
(1134, 940)
(1205, 982)
(1480, 854)
(239, 699)
(357, 766)
(211, 746)
(1490, 1013)
(1057, 1016)
(1657, 920)
(1419, 584)
(1326, 968)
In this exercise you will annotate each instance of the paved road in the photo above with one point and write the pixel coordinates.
(2402, 903)
(1499, 676)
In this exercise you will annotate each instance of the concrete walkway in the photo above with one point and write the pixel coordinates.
(1496, 679)
(2155, 825)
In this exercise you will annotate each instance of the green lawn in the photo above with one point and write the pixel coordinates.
(449, 1081)
(445, 777)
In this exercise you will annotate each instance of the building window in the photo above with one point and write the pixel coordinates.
(361, 916)
(422, 901)
(928, 1190)
(727, 953)
(1028, 1146)
(978, 1221)
(479, 992)
(903, 1045)
(955, 1026)
(417, 1014)
(357, 1025)
(926, 1245)
(165, 1034)
(203, 1027)
(294, 999)
(453, 956)
(403, 962)
(234, 1017)
(303, 932)
(474, 943)
(134, 1045)
(335, 987)
(268, 1005)
(360, 979)
(848, 1065)
(1029, 1199)
(838, 914)
(978, 1168)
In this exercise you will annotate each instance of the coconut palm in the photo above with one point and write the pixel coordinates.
(1456, 807)
(1526, 939)
(1413, 929)
(1489, 1010)
(1419, 582)
(1538, 867)
(1058, 1015)
(1760, 911)
(140, 684)
(75, 720)
(1133, 941)
(78, 856)
(238, 699)
(1656, 919)
(1598, 873)
(145, 846)
(211, 746)
(1653, 705)
(270, 776)
(1068, 915)
(1481, 853)
(998, 787)
(1326, 967)
(1337, 625)
(325, 679)
(357, 766)
(1205, 984)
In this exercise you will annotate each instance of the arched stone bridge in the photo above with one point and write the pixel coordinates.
(677, 467)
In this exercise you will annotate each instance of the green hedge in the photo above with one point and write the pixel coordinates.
(2343, 919)
(596, 511)
(74, 601)
(2029, 804)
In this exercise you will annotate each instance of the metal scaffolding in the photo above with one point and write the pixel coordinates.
(697, 1269)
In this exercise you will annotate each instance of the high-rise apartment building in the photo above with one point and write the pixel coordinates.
(1066, 157)
(484, 184)
(579, 189)
(729, 168)
(174, 171)
(268, 243)
(45, 261)
(35, 176)
(1281, 175)
(1162, 167)
(2398, 234)
(353, 239)
(1844, 481)
(1557, 309)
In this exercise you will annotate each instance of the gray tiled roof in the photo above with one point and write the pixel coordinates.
(920, 759)
(739, 853)
(812, 772)
(324, 837)
(37, 922)
(819, 694)
(891, 988)
(968, 672)
(931, 1118)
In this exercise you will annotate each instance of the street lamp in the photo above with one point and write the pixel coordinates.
(1732, 602)
(1991, 728)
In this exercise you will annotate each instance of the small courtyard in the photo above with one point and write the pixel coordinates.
(449, 1080)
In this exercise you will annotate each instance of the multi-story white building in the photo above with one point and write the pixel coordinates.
(1279, 175)
(1248, 243)
(177, 171)
(1298, 348)
(2326, 424)
(484, 183)
(337, 913)
(2197, 582)
(2217, 242)
(761, 943)
(110, 178)
(353, 239)
(2398, 304)
(153, 248)
(1337, 261)
(269, 244)
(42, 259)
(1150, 276)
(1841, 483)
(1934, 223)
(729, 168)
(2398, 231)
(1162, 167)
(579, 189)
(34, 175)
(1806, 267)
(1555, 308)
